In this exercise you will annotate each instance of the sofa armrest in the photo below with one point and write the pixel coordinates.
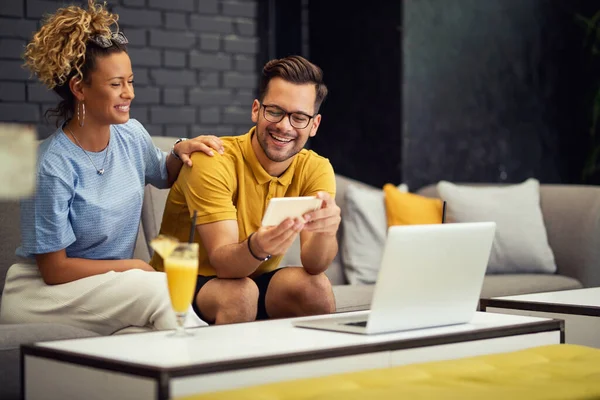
(572, 219)
(152, 207)
(141, 250)
(152, 213)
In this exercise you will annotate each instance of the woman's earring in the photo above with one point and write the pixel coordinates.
(81, 117)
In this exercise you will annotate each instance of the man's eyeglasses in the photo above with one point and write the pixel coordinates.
(275, 114)
(105, 41)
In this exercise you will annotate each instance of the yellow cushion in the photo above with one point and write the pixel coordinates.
(547, 372)
(410, 209)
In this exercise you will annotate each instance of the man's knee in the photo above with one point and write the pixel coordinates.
(238, 301)
(315, 292)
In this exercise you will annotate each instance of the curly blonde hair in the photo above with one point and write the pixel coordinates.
(59, 47)
(62, 50)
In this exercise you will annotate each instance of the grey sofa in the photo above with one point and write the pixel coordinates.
(571, 213)
(572, 218)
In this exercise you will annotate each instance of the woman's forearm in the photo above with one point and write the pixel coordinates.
(58, 270)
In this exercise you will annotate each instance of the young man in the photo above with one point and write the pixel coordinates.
(238, 277)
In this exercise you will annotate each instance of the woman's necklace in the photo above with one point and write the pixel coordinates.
(99, 171)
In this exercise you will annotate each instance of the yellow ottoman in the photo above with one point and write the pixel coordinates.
(548, 372)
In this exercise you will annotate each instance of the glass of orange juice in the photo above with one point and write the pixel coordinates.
(181, 267)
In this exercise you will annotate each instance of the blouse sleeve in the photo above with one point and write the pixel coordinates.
(45, 223)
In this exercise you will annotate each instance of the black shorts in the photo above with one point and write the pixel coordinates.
(262, 281)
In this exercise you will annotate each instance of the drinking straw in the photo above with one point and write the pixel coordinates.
(193, 227)
(444, 212)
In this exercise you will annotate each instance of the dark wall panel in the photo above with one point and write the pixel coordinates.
(358, 47)
(492, 91)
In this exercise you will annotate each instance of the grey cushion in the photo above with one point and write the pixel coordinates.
(141, 250)
(364, 234)
(292, 257)
(335, 272)
(521, 243)
(342, 184)
(11, 338)
(513, 284)
(572, 219)
(365, 230)
(359, 297)
(152, 212)
(353, 297)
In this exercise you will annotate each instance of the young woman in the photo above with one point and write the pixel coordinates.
(80, 228)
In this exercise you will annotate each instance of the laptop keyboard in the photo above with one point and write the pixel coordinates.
(359, 323)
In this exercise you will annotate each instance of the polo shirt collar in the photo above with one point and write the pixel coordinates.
(259, 172)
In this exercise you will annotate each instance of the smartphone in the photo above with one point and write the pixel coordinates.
(280, 208)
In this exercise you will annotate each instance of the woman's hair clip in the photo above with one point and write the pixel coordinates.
(106, 42)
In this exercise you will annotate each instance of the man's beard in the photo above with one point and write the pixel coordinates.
(276, 156)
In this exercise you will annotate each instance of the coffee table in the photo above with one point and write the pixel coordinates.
(154, 366)
(579, 308)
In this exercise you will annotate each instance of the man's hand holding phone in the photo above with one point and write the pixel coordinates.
(326, 220)
(276, 240)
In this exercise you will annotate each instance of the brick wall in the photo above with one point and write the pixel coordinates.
(194, 63)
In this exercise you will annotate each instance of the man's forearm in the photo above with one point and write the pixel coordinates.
(318, 253)
(233, 261)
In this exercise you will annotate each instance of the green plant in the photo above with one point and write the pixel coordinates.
(591, 44)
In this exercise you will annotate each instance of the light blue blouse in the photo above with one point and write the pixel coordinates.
(90, 215)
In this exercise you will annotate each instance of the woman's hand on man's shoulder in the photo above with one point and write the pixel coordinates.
(204, 143)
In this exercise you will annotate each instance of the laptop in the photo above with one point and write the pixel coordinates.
(430, 276)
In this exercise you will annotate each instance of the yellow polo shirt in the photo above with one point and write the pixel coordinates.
(234, 186)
